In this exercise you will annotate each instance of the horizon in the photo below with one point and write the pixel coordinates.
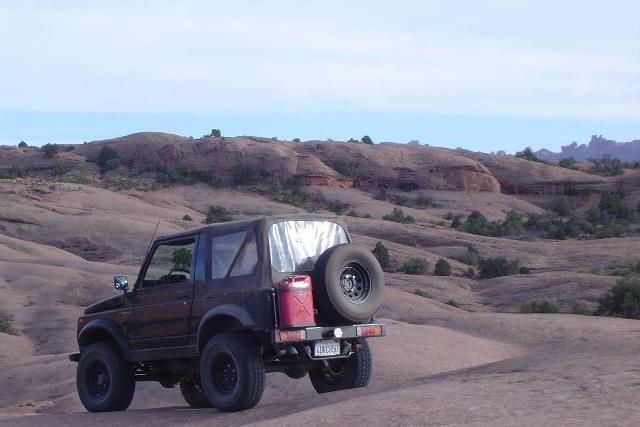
(484, 77)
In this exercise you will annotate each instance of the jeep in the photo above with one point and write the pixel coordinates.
(215, 308)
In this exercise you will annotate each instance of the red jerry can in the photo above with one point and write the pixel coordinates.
(295, 302)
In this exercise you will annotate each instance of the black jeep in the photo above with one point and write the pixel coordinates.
(215, 308)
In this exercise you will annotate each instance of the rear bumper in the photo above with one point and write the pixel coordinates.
(316, 333)
(74, 357)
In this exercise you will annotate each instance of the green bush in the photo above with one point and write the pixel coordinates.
(367, 140)
(245, 175)
(568, 163)
(538, 307)
(22, 144)
(498, 267)
(4, 326)
(581, 310)
(182, 257)
(606, 166)
(296, 139)
(561, 206)
(623, 300)
(215, 133)
(337, 207)
(416, 266)
(527, 154)
(443, 268)
(397, 215)
(60, 169)
(381, 194)
(108, 159)
(452, 303)
(421, 293)
(472, 256)
(342, 167)
(524, 270)
(477, 223)
(382, 255)
(11, 173)
(216, 214)
(50, 150)
(187, 218)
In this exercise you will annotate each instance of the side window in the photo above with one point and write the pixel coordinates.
(247, 260)
(223, 251)
(171, 263)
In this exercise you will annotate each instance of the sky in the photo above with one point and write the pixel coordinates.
(486, 76)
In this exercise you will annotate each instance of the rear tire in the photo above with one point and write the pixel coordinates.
(348, 285)
(194, 394)
(342, 374)
(232, 372)
(105, 381)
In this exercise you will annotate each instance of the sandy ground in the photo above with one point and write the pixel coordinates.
(60, 245)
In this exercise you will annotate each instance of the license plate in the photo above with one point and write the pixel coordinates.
(326, 348)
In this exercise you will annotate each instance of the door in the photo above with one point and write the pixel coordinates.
(164, 295)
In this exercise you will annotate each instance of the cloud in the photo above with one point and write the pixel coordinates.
(522, 58)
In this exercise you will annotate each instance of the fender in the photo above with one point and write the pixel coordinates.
(226, 310)
(105, 327)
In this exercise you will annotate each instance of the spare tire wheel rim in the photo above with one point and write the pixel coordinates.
(355, 283)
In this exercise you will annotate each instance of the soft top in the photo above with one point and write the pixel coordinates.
(264, 221)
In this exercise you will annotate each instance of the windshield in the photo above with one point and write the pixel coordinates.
(296, 245)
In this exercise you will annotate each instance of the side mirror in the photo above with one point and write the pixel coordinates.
(121, 283)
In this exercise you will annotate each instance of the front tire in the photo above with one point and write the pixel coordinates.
(105, 381)
(342, 374)
(194, 394)
(232, 372)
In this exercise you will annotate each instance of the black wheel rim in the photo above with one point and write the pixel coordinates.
(355, 283)
(98, 379)
(225, 374)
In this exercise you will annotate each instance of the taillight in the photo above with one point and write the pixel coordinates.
(296, 335)
(369, 331)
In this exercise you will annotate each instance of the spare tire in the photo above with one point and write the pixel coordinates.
(348, 285)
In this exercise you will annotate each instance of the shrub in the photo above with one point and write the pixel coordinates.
(217, 214)
(527, 154)
(22, 144)
(381, 194)
(60, 169)
(524, 270)
(421, 293)
(416, 266)
(187, 218)
(215, 133)
(581, 310)
(382, 255)
(4, 326)
(477, 223)
(470, 273)
(606, 166)
(443, 268)
(11, 173)
(452, 303)
(296, 139)
(181, 257)
(397, 215)
(337, 207)
(342, 167)
(108, 159)
(561, 206)
(538, 307)
(50, 150)
(498, 267)
(568, 163)
(623, 300)
(367, 140)
(472, 256)
(245, 175)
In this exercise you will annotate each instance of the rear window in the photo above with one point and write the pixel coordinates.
(223, 251)
(296, 245)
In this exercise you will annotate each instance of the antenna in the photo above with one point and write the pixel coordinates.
(153, 237)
